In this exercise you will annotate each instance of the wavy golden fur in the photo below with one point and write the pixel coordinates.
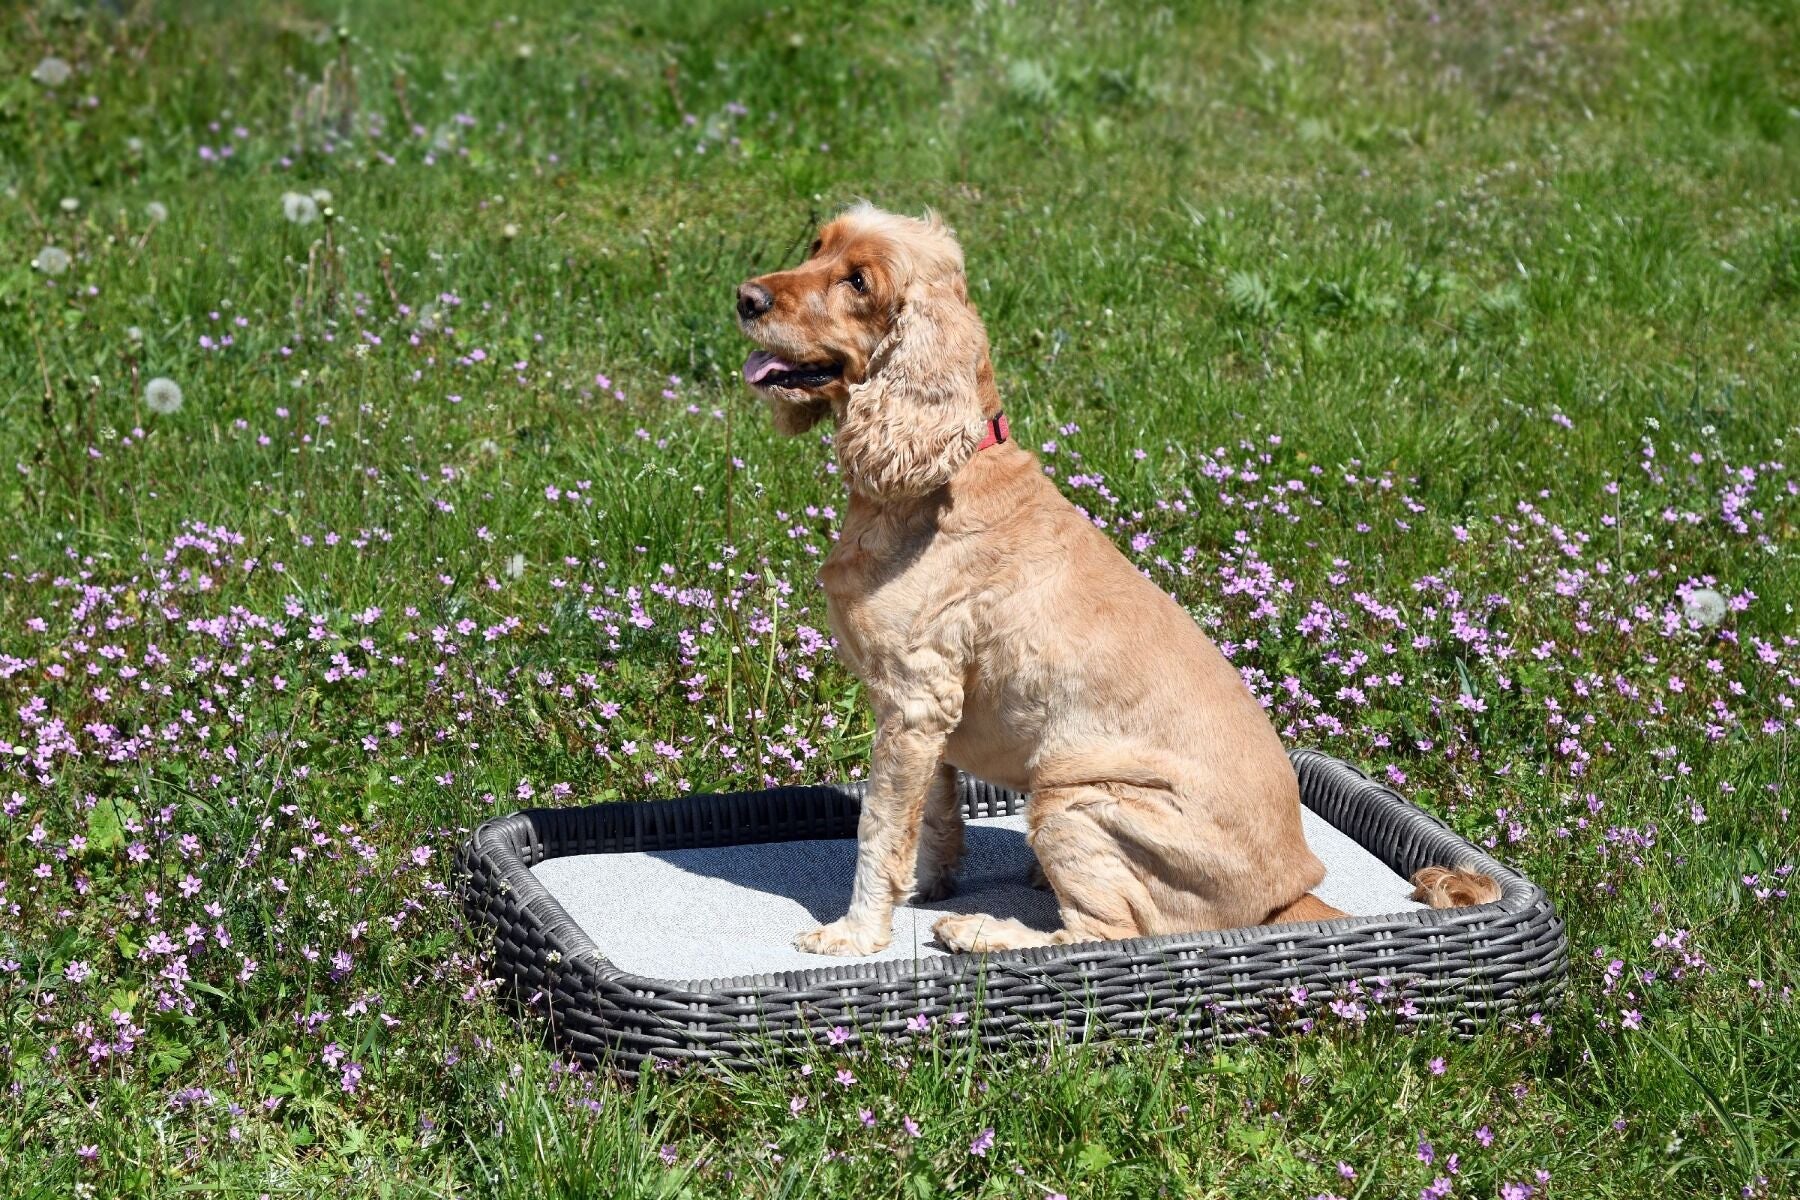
(997, 630)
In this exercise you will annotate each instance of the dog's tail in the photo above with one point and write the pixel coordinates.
(1436, 887)
(1441, 887)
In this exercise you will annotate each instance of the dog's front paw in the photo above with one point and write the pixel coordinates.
(935, 886)
(844, 939)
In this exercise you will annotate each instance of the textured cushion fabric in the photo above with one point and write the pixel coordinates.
(735, 910)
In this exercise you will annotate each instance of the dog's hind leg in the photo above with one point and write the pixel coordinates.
(1099, 889)
(976, 933)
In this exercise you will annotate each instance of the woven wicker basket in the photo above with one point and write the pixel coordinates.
(1464, 966)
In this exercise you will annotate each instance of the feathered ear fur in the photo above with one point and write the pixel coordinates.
(918, 417)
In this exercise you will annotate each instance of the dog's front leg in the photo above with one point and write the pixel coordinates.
(908, 750)
(940, 838)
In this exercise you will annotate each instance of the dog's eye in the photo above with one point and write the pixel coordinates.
(856, 281)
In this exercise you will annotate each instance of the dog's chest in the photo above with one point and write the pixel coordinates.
(867, 629)
(876, 598)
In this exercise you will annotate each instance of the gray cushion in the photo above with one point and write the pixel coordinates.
(734, 910)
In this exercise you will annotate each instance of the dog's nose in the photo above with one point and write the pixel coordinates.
(754, 300)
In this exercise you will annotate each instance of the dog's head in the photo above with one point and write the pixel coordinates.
(876, 328)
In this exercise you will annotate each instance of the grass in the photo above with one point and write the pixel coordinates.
(1435, 356)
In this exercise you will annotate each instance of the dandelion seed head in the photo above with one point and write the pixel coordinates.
(162, 396)
(157, 211)
(1704, 607)
(52, 260)
(52, 71)
(299, 208)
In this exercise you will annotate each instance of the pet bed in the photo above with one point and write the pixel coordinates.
(662, 929)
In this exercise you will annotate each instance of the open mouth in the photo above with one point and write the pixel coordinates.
(765, 370)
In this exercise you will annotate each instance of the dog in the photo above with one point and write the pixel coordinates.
(997, 630)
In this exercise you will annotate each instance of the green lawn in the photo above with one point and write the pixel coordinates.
(1443, 360)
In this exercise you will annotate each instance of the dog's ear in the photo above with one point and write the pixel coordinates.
(792, 419)
(918, 417)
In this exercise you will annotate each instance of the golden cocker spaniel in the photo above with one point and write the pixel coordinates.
(997, 630)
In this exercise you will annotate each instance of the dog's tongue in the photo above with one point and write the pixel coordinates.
(761, 364)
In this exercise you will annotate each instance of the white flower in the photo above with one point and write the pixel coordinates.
(134, 146)
(321, 196)
(162, 396)
(299, 208)
(509, 231)
(70, 204)
(1704, 607)
(157, 211)
(134, 333)
(52, 72)
(52, 260)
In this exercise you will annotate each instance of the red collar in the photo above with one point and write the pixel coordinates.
(996, 431)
